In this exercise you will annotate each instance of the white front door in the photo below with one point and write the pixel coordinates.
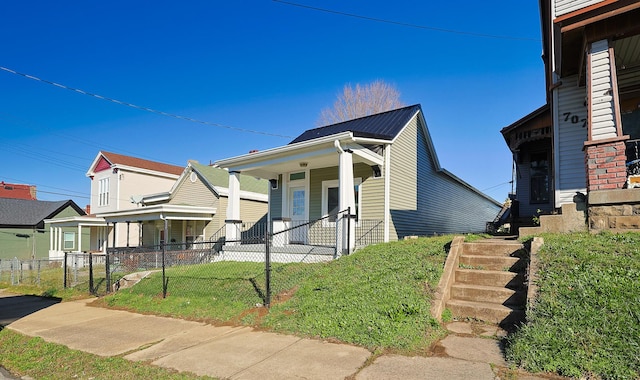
(298, 214)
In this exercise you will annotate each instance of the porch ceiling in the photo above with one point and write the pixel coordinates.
(160, 212)
(74, 221)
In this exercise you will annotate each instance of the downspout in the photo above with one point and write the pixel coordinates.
(387, 192)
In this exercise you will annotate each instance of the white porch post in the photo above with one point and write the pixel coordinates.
(50, 240)
(347, 223)
(79, 238)
(59, 237)
(233, 209)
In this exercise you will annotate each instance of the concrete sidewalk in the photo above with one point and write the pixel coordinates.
(245, 353)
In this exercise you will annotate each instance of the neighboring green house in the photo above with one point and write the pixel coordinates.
(22, 227)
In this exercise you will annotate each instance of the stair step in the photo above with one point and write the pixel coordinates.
(499, 263)
(489, 278)
(491, 294)
(493, 248)
(488, 312)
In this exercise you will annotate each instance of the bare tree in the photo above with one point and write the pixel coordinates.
(369, 99)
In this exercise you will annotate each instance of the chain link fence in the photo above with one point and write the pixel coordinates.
(37, 272)
(264, 261)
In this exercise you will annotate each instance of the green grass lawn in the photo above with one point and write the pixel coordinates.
(586, 320)
(378, 297)
(33, 357)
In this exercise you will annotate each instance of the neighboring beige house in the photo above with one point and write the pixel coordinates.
(189, 203)
(194, 208)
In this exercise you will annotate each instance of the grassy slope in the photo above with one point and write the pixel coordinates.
(586, 320)
(378, 297)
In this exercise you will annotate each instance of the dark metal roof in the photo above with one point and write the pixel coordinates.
(385, 125)
(23, 212)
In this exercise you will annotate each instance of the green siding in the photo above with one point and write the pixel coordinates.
(316, 178)
(370, 206)
(403, 182)
(275, 200)
(220, 178)
(194, 194)
(426, 201)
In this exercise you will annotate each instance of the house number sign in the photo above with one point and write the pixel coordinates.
(575, 119)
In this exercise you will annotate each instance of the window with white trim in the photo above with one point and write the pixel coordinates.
(103, 192)
(69, 240)
(331, 195)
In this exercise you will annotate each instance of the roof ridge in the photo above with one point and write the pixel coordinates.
(364, 117)
(142, 163)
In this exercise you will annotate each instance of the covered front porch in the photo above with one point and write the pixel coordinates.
(77, 234)
(144, 226)
(316, 195)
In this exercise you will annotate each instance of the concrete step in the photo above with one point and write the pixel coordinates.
(512, 264)
(494, 278)
(488, 312)
(490, 294)
(490, 247)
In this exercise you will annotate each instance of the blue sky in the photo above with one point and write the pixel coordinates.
(260, 65)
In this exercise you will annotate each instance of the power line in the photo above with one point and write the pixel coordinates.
(498, 185)
(175, 116)
(407, 24)
(15, 120)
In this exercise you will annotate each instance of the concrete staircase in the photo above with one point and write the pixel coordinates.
(489, 283)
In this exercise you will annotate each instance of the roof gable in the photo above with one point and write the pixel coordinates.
(219, 178)
(102, 164)
(30, 213)
(385, 125)
(106, 160)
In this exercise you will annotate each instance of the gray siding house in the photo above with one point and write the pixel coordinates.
(388, 159)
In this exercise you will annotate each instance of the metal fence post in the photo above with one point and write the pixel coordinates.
(164, 249)
(107, 275)
(267, 262)
(64, 270)
(13, 264)
(91, 291)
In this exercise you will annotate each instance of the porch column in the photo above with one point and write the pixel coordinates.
(59, 238)
(233, 209)
(115, 243)
(346, 200)
(605, 157)
(79, 238)
(128, 225)
(51, 247)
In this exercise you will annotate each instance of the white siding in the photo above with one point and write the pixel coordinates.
(562, 7)
(570, 138)
(602, 117)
